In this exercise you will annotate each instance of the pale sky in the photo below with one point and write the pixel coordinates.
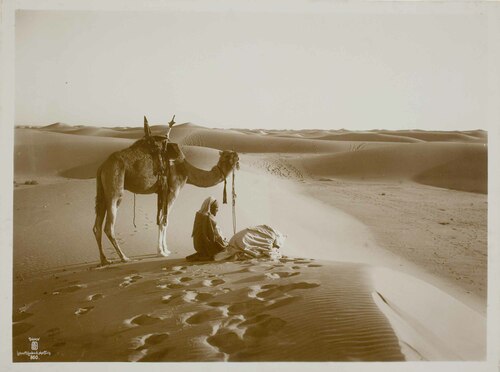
(252, 70)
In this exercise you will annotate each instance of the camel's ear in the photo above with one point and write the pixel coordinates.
(172, 122)
(147, 129)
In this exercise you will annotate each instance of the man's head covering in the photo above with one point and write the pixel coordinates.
(205, 206)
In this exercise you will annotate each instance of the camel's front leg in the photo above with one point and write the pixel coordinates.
(162, 240)
(162, 228)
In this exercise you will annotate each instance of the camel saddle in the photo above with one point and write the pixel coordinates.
(169, 151)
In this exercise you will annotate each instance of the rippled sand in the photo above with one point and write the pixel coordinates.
(165, 310)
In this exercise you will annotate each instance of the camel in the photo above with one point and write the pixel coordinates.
(135, 169)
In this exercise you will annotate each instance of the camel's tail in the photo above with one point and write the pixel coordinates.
(100, 202)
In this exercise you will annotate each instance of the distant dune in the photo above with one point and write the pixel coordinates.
(459, 166)
(52, 153)
(452, 164)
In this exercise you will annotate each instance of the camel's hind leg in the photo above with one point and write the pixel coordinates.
(109, 228)
(113, 177)
(100, 211)
(99, 219)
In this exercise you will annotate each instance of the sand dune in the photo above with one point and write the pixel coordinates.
(441, 136)
(369, 137)
(408, 304)
(222, 139)
(410, 136)
(41, 153)
(308, 184)
(44, 209)
(450, 165)
(248, 311)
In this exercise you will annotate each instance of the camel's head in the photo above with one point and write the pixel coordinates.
(229, 160)
(159, 142)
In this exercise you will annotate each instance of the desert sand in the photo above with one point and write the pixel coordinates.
(386, 250)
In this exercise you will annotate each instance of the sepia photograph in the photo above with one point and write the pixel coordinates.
(233, 182)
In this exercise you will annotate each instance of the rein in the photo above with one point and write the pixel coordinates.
(134, 212)
(233, 195)
(234, 204)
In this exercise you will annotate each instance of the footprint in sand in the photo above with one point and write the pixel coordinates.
(233, 342)
(193, 296)
(83, 310)
(69, 289)
(189, 296)
(142, 320)
(227, 342)
(95, 297)
(169, 297)
(213, 282)
(204, 316)
(128, 280)
(157, 356)
(166, 299)
(253, 290)
(185, 279)
(314, 265)
(149, 340)
(281, 274)
(25, 307)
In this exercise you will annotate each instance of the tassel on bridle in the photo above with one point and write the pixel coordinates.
(224, 194)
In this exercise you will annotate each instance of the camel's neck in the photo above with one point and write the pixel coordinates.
(202, 178)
